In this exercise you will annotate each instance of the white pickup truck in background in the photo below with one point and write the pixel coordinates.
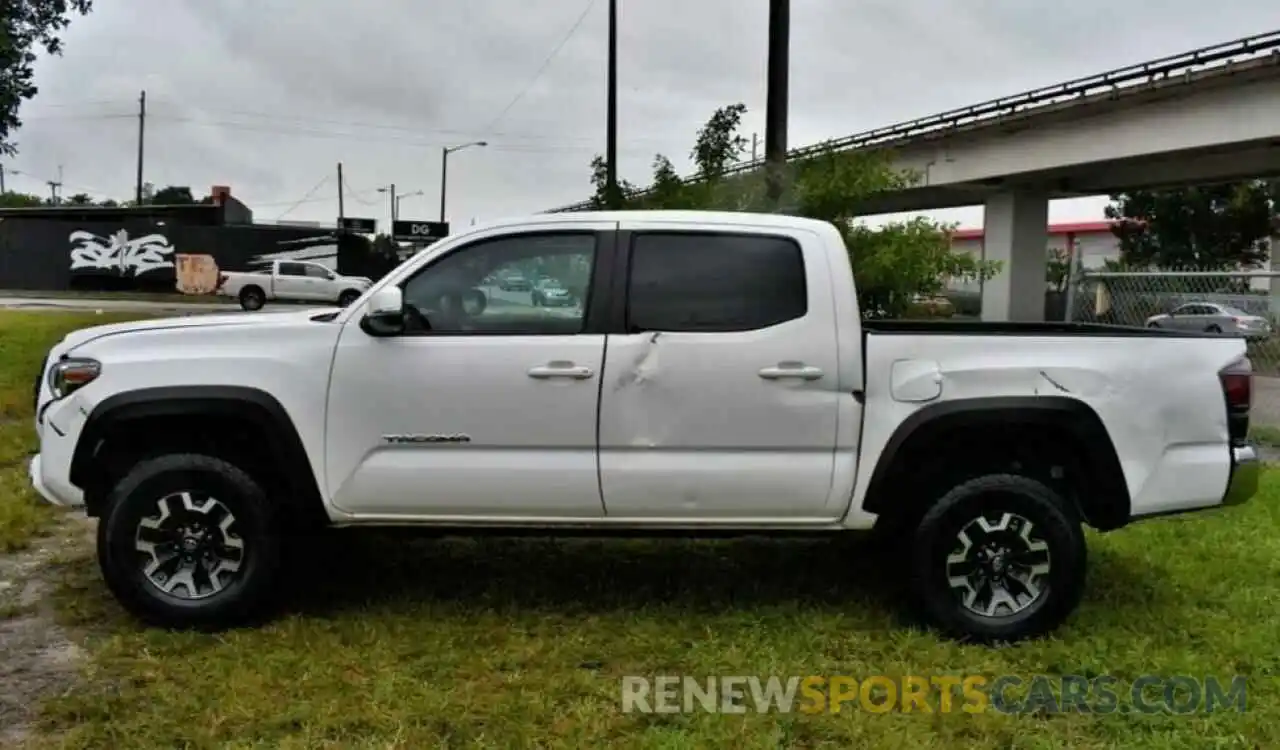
(718, 378)
(292, 281)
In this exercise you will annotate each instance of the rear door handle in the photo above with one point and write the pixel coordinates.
(797, 370)
(560, 370)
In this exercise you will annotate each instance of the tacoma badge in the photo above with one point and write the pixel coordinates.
(402, 439)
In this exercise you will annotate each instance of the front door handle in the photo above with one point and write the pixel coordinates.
(797, 370)
(560, 370)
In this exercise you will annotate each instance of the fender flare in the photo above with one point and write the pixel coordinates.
(1109, 508)
(253, 405)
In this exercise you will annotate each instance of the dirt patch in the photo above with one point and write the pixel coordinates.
(38, 658)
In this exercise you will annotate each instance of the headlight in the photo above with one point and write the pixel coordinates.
(69, 375)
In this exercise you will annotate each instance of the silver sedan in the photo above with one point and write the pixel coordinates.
(1212, 318)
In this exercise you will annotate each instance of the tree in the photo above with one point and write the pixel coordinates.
(20, 200)
(718, 145)
(893, 263)
(602, 199)
(1057, 272)
(173, 195)
(667, 189)
(29, 27)
(79, 199)
(1208, 227)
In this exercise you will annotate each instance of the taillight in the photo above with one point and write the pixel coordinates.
(1237, 390)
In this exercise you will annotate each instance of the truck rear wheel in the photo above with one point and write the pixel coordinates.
(189, 541)
(252, 298)
(998, 558)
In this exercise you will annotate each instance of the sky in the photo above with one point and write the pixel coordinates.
(268, 96)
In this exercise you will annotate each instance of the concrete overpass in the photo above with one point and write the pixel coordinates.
(1206, 115)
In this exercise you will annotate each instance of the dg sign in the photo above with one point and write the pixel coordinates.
(419, 231)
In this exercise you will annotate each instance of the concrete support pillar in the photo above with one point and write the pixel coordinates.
(1016, 230)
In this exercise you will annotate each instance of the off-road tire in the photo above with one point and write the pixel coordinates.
(1011, 500)
(249, 593)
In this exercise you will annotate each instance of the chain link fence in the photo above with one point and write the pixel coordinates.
(1230, 303)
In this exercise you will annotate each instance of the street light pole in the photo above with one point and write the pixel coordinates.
(390, 190)
(444, 178)
(402, 196)
(444, 169)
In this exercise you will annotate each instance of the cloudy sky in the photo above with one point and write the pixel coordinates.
(267, 96)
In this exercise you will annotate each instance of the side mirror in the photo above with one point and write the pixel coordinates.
(384, 314)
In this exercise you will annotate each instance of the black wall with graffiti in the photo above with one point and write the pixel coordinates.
(138, 254)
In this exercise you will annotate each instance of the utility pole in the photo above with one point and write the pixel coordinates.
(392, 194)
(142, 127)
(2, 190)
(611, 127)
(775, 131)
(340, 207)
(755, 146)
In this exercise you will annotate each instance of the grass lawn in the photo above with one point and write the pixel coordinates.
(1267, 435)
(397, 642)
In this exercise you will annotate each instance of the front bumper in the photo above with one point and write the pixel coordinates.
(1246, 470)
(38, 483)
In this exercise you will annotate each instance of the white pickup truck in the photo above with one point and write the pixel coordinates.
(719, 378)
(293, 281)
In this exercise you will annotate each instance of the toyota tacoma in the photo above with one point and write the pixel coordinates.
(718, 377)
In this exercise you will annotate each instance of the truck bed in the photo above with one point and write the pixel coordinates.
(1158, 392)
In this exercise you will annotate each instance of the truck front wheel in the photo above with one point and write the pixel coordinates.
(999, 557)
(189, 541)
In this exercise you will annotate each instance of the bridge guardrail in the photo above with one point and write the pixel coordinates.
(1218, 55)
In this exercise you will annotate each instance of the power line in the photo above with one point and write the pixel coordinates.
(361, 198)
(546, 148)
(539, 142)
(306, 197)
(355, 194)
(414, 129)
(454, 133)
(46, 179)
(81, 116)
(531, 148)
(84, 103)
(542, 68)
